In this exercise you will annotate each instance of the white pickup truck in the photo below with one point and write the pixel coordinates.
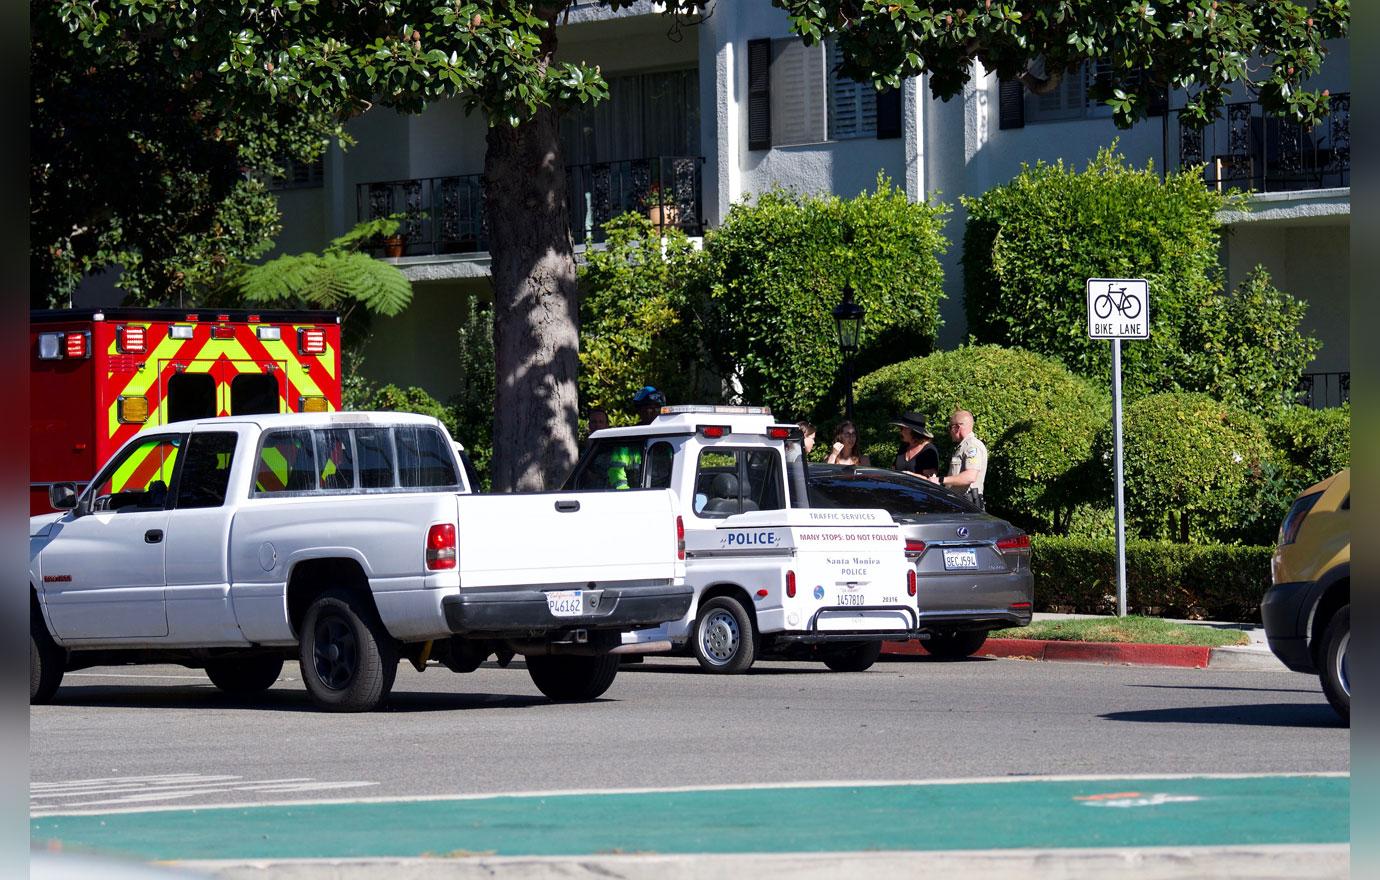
(350, 541)
(772, 578)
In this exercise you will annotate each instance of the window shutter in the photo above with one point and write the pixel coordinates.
(798, 114)
(888, 114)
(759, 94)
(1159, 99)
(1010, 104)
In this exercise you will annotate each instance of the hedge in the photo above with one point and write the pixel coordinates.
(1163, 579)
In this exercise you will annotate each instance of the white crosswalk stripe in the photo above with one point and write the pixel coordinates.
(47, 798)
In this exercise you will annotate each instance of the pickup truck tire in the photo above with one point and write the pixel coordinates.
(852, 656)
(724, 640)
(572, 679)
(348, 660)
(1335, 668)
(955, 645)
(245, 677)
(46, 661)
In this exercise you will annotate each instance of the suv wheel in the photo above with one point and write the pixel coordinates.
(852, 656)
(1336, 672)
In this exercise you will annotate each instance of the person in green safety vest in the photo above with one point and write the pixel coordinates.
(625, 464)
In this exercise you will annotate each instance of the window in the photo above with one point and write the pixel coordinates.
(300, 175)
(374, 451)
(254, 393)
(139, 478)
(903, 497)
(286, 463)
(191, 396)
(425, 459)
(729, 481)
(809, 101)
(205, 473)
(660, 458)
(1068, 100)
(335, 459)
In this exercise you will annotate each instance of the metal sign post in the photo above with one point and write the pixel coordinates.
(1118, 308)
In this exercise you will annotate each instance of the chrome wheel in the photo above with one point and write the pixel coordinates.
(720, 637)
(1343, 668)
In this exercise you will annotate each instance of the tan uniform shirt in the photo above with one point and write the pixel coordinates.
(971, 454)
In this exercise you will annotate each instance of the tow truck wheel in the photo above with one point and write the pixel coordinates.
(347, 658)
(955, 645)
(724, 641)
(572, 679)
(852, 656)
(1336, 669)
(46, 661)
(245, 676)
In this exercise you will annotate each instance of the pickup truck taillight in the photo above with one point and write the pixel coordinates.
(680, 538)
(440, 547)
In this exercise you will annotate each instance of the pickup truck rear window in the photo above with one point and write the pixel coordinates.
(355, 459)
(425, 459)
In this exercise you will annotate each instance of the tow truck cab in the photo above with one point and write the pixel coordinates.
(772, 577)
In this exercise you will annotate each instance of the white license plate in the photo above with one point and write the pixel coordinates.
(566, 603)
(958, 559)
(850, 598)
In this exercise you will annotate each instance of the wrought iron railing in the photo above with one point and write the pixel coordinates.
(1246, 149)
(1323, 390)
(445, 215)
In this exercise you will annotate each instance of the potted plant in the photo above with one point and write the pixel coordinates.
(661, 210)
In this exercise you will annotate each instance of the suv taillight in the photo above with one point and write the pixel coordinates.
(440, 547)
(1293, 520)
(680, 538)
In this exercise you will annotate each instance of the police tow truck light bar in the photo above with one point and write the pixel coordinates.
(99, 376)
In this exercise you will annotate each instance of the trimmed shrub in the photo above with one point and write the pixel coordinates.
(1191, 463)
(1315, 443)
(1163, 579)
(636, 326)
(412, 400)
(1038, 420)
(776, 269)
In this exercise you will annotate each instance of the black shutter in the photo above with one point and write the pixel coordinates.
(1010, 104)
(1159, 100)
(759, 94)
(888, 114)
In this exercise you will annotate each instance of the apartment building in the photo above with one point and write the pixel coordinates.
(702, 115)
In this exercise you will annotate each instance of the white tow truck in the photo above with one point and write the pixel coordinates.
(772, 577)
(349, 541)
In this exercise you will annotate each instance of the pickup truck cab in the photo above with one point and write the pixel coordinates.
(771, 577)
(350, 541)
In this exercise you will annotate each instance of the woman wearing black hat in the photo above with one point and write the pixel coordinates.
(918, 455)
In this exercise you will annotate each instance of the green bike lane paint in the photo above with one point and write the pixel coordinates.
(1018, 814)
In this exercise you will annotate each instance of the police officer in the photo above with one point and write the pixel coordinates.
(625, 463)
(968, 465)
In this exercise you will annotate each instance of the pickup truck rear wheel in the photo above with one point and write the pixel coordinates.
(246, 676)
(724, 640)
(852, 656)
(47, 661)
(348, 660)
(955, 645)
(572, 679)
(1336, 667)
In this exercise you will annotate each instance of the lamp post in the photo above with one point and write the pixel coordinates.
(848, 319)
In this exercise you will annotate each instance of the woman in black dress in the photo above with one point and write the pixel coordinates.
(918, 455)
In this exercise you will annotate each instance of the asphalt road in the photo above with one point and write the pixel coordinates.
(163, 736)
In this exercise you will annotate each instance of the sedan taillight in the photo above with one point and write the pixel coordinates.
(1017, 544)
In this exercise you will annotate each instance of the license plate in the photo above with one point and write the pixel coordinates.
(566, 603)
(957, 559)
(850, 598)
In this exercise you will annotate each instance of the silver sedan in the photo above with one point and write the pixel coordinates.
(973, 568)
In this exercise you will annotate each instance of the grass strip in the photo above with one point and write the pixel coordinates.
(1129, 629)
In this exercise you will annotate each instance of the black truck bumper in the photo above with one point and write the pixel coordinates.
(520, 613)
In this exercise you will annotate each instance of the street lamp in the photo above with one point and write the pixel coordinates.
(848, 319)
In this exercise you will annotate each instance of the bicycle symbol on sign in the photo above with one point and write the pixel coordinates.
(1126, 305)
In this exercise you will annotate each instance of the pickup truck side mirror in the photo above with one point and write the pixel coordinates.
(63, 496)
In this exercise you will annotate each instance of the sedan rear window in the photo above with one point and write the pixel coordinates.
(897, 494)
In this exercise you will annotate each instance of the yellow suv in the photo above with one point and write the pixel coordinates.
(1307, 611)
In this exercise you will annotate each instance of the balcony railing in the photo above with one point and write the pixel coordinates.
(1247, 149)
(445, 215)
(1323, 390)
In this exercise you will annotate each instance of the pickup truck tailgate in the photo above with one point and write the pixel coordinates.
(568, 538)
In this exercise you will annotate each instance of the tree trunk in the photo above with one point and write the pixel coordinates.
(536, 309)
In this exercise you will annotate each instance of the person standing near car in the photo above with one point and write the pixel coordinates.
(625, 464)
(845, 449)
(918, 456)
(968, 465)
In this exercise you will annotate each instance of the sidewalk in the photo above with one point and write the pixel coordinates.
(1253, 657)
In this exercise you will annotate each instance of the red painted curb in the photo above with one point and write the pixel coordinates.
(1188, 656)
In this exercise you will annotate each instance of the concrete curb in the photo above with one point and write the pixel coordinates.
(1181, 656)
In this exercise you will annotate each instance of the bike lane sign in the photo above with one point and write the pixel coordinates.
(1118, 308)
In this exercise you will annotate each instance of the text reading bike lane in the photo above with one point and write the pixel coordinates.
(1198, 811)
